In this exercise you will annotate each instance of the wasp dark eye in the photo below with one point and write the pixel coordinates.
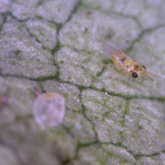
(134, 75)
(144, 67)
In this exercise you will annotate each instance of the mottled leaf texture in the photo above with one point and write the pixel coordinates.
(55, 46)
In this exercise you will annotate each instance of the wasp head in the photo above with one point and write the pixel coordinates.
(139, 72)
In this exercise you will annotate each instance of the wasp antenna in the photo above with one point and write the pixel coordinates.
(149, 77)
(153, 75)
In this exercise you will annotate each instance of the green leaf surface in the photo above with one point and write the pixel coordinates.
(56, 46)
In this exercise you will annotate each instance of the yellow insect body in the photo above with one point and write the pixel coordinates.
(125, 63)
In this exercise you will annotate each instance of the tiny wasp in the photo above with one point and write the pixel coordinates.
(125, 63)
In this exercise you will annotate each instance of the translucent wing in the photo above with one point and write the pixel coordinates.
(112, 50)
(122, 66)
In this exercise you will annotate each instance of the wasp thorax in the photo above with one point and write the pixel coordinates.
(130, 65)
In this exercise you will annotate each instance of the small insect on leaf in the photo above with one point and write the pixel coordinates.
(49, 109)
(125, 63)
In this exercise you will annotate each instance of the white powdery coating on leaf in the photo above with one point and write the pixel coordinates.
(7, 156)
(74, 69)
(150, 13)
(79, 126)
(118, 6)
(131, 8)
(70, 92)
(89, 31)
(143, 126)
(57, 11)
(120, 153)
(49, 109)
(5, 5)
(22, 54)
(20, 95)
(23, 9)
(44, 31)
(106, 112)
(151, 17)
(1, 19)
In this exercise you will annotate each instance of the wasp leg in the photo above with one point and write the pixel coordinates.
(117, 76)
(149, 77)
(129, 77)
(153, 75)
